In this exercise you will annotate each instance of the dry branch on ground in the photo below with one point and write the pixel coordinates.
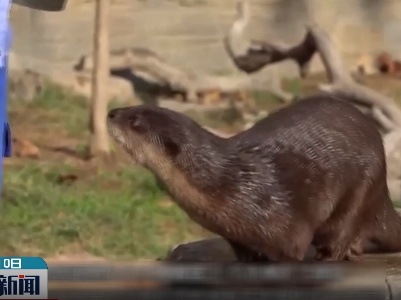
(192, 84)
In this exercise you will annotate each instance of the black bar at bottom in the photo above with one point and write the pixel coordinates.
(219, 294)
(171, 281)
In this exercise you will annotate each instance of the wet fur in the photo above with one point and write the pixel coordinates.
(311, 173)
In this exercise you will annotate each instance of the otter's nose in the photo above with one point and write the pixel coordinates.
(113, 113)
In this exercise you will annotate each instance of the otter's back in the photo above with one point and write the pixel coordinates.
(318, 124)
(317, 148)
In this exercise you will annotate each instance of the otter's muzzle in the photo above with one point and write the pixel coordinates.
(116, 115)
(115, 119)
(115, 124)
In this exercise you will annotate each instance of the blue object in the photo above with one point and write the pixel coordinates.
(5, 138)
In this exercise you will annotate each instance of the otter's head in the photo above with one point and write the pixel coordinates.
(151, 135)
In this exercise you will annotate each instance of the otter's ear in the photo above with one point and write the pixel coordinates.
(171, 147)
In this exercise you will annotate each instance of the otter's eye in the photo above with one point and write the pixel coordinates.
(134, 122)
(137, 124)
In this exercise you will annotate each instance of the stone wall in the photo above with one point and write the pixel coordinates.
(189, 32)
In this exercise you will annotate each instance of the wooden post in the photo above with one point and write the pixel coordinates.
(99, 139)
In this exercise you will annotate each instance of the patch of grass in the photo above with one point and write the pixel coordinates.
(266, 100)
(293, 86)
(83, 150)
(119, 214)
(111, 211)
(397, 203)
(54, 108)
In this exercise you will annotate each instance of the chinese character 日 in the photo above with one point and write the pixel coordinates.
(15, 263)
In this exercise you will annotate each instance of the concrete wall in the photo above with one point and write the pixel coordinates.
(189, 32)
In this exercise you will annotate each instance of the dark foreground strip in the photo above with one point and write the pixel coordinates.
(219, 294)
(170, 281)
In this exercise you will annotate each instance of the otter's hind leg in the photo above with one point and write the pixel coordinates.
(290, 243)
(328, 252)
(335, 240)
(338, 238)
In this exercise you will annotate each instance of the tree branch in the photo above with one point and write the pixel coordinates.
(251, 56)
(190, 83)
(343, 85)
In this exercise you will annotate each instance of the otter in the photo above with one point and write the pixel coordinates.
(310, 174)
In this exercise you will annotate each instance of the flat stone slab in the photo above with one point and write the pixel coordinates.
(393, 274)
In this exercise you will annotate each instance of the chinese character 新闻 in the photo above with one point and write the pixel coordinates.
(19, 285)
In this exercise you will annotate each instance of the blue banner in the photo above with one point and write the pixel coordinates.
(22, 262)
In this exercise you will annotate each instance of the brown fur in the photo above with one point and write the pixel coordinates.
(311, 173)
